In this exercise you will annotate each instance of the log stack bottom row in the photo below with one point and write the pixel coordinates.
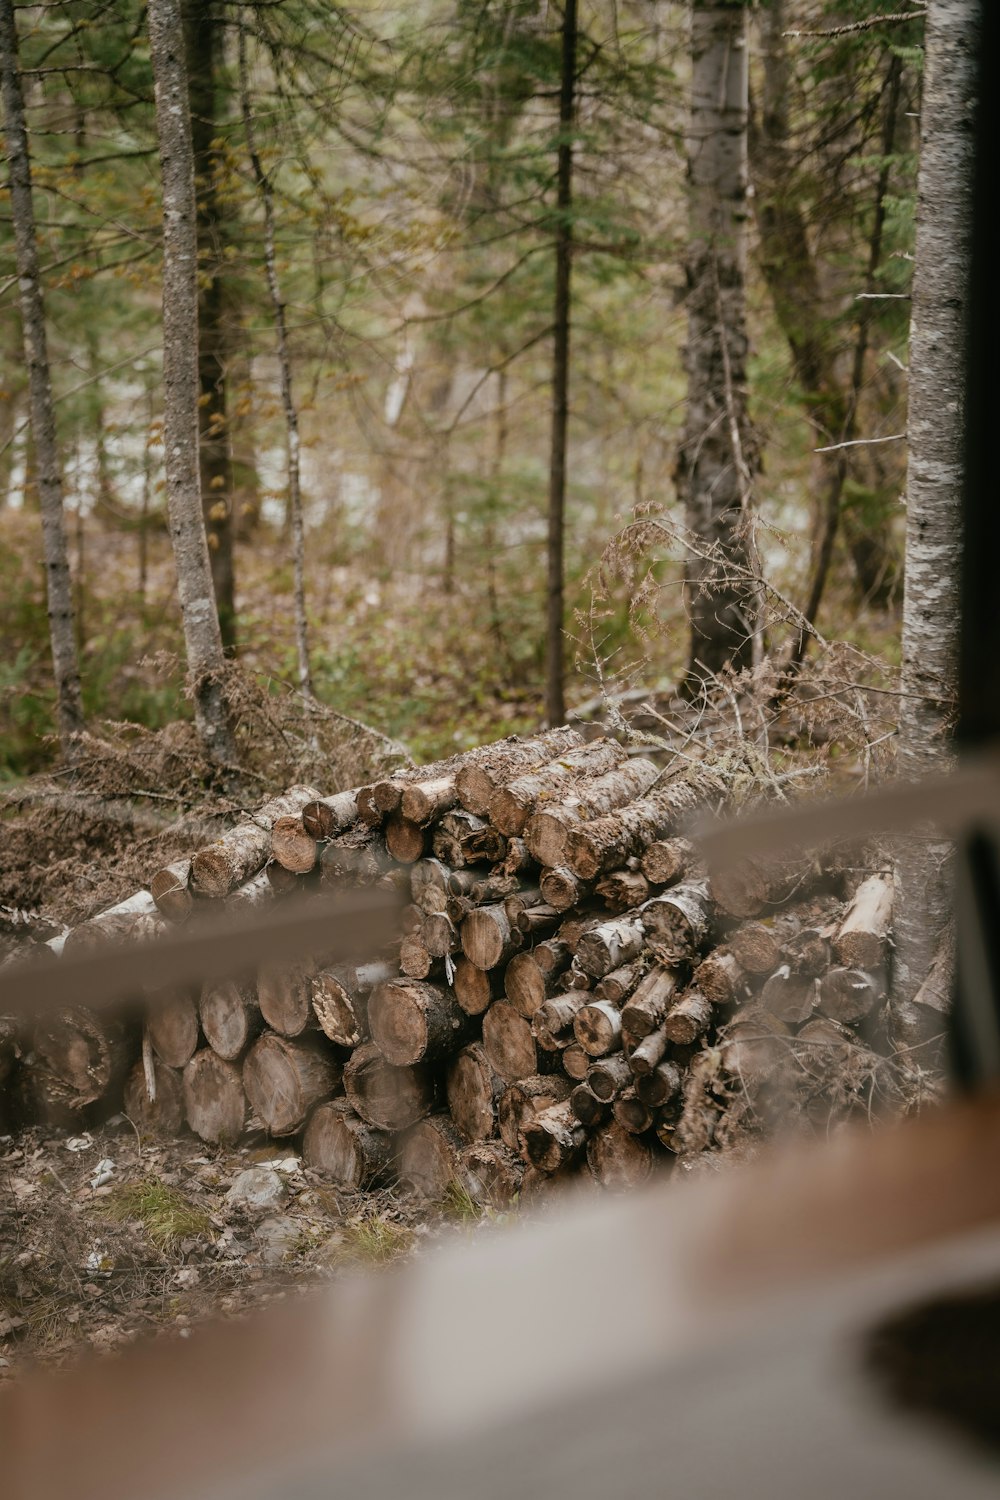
(566, 992)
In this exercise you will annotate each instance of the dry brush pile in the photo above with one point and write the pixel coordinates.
(570, 989)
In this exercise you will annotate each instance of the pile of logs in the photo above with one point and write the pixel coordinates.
(564, 968)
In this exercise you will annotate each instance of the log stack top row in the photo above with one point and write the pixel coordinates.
(563, 959)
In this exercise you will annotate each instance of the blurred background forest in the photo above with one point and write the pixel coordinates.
(395, 177)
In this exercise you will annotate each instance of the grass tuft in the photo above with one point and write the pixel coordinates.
(164, 1213)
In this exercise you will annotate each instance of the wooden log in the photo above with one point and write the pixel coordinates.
(461, 838)
(562, 889)
(525, 1098)
(863, 935)
(609, 1076)
(525, 898)
(547, 830)
(849, 995)
(575, 1062)
(475, 989)
(412, 1021)
(823, 1047)
(82, 1055)
(479, 778)
(430, 1157)
(359, 855)
(135, 917)
(790, 997)
(230, 1016)
(284, 994)
(623, 889)
(632, 1114)
(253, 893)
(474, 1089)
(610, 945)
(719, 977)
(620, 983)
(215, 1105)
(552, 1138)
(282, 882)
(342, 1147)
(517, 860)
(340, 999)
(415, 959)
(511, 1045)
(754, 1047)
(807, 951)
(173, 1026)
(220, 867)
(629, 831)
(511, 806)
(292, 846)
(163, 1113)
(170, 889)
(560, 1011)
(423, 801)
(389, 1098)
(404, 839)
(688, 1018)
(488, 939)
(677, 922)
(598, 1028)
(659, 1085)
(648, 1054)
(430, 885)
(283, 1079)
(666, 861)
(575, 977)
(493, 1174)
(652, 998)
(756, 946)
(526, 984)
(587, 1108)
(439, 935)
(325, 817)
(617, 1159)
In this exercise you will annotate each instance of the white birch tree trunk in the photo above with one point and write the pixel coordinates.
(59, 594)
(716, 462)
(934, 479)
(199, 614)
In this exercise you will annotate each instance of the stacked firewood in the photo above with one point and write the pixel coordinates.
(564, 967)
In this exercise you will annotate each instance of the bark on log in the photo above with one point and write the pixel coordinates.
(340, 999)
(423, 801)
(862, 937)
(461, 838)
(474, 1090)
(620, 983)
(430, 1158)
(536, 921)
(478, 780)
(215, 1104)
(292, 846)
(719, 977)
(790, 997)
(387, 1097)
(617, 1159)
(254, 893)
(172, 1023)
(623, 889)
(560, 1011)
(493, 1174)
(220, 867)
(162, 1115)
(359, 856)
(547, 830)
(647, 1009)
(284, 994)
(848, 995)
(598, 1028)
(283, 1079)
(517, 859)
(610, 944)
(609, 1076)
(132, 918)
(678, 921)
(230, 1016)
(511, 1046)
(511, 806)
(170, 889)
(325, 817)
(747, 887)
(488, 939)
(412, 1021)
(666, 861)
(341, 1146)
(552, 1137)
(688, 1018)
(525, 1098)
(646, 1056)
(660, 1085)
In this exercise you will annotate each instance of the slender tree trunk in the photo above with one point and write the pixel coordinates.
(716, 463)
(69, 711)
(555, 702)
(934, 481)
(203, 48)
(202, 639)
(285, 368)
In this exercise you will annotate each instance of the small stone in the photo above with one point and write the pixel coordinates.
(277, 1239)
(258, 1187)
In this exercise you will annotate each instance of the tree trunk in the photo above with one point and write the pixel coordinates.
(555, 703)
(203, 55)
(934, 481)
(202, 639)
(716, 463)
(292, 442)
(69, 709)
(341, 1146)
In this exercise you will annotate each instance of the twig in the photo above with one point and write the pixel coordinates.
(895, 437)
(897, 18)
